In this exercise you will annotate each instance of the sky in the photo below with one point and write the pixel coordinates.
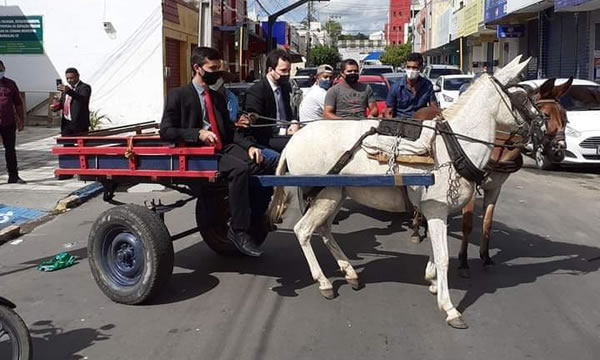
(364, 16)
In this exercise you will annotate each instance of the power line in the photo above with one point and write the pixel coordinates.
(262, 7)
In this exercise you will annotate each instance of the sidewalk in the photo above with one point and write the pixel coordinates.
(42, 192)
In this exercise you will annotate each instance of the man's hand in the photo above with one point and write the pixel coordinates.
(255, 154)
(243, 122)
(208, 137)
(62, 88)
(20, 124)
(293, 129)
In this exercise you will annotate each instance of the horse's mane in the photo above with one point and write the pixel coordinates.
(464, 98)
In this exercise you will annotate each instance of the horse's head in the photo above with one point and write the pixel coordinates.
(551, 137)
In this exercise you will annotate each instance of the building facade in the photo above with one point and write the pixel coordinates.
(399, 15)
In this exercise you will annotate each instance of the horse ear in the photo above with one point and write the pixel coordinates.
(562, 89)
(547, 89)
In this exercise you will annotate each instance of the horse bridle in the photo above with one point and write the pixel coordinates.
(560, 134)
(528, 130)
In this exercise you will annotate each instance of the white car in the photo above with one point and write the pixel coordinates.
(434, 71)
(582, 103)
(446, 88)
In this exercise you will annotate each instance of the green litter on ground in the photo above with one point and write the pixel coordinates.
(59, 261)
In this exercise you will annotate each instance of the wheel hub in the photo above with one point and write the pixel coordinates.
(122, 258)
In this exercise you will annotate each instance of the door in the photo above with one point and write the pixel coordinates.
(173, 63)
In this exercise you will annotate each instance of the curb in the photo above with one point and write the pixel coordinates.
(79, 196)
(74, 199)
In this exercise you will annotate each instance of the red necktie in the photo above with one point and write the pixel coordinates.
(212, 118)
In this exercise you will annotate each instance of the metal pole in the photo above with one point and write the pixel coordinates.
(241, 44)
(309, 43)
(205, 26)
(460, 53)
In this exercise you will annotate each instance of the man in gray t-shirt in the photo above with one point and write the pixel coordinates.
(349, 98)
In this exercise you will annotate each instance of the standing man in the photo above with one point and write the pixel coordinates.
(311, 107)
(349, 99)
(271, 98)
(412, 92)
(10, 105)
(197, 115)
(75, 104)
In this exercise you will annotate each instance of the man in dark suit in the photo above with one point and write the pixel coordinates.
(197, 115)
(271, 98)
(75, 104)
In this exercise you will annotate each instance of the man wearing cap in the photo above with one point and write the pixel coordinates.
(312, 105)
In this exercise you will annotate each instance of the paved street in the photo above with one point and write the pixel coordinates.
(539, 302)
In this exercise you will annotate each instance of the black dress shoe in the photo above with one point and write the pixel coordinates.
(16, 180)
(244, 243)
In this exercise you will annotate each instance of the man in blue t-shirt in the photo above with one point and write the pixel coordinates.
(412, 92)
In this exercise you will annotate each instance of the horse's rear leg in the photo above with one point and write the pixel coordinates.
(467, 228)
(489, 203)
(322, 208)
(415, 238)
(341, 258)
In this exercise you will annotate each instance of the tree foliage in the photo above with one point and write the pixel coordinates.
(396, 55)
(324, 55)
(334, 28)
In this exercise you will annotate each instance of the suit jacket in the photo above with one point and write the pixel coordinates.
(183, 118)
(80, 109)
(260, 99)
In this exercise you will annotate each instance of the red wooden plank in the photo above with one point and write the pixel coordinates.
(144, 150)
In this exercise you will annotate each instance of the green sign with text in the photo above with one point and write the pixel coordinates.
(21, 35)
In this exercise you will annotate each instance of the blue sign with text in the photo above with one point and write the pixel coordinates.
(511, 31)
(494, 9)
(560, 4)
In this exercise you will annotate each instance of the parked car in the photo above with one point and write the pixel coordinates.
(376, 69)
(380, 87)
(432, 72)
(582, 103)
(393, 78)
(305, 78)
(239, 89)
(447, 88)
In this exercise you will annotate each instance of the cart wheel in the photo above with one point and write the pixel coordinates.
(131, 254)
(212, 218)
(15, 341)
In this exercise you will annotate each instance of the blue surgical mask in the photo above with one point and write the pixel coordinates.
(325, 84)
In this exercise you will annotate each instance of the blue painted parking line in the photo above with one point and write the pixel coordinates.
(12, 215)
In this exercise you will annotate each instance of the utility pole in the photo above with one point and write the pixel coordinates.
(309, 42)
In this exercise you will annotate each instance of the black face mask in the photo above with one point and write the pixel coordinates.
(210, 78)
(352, 79)
(283, 80)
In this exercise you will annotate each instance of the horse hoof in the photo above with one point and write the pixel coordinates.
(458, 323)
(464, 273)
(415, 239)
(355, 283)
(433, 289)
(327, 293)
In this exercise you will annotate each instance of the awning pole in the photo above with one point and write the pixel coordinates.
(460, 53)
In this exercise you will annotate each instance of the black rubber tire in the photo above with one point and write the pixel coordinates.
(157, 253)
(212, 218)
(12, 323)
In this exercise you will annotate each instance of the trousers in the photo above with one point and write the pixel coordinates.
(247, 204)
(9, 139)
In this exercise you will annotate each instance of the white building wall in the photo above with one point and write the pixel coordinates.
(125, 68)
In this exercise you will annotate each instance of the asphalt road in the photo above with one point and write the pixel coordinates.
(540, 301)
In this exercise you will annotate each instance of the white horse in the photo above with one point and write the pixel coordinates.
(314, 150)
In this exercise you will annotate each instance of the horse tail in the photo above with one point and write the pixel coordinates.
(281, 200)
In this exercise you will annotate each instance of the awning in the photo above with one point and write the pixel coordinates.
(375, 55)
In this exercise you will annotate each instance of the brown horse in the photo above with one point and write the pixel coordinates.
(504, 162)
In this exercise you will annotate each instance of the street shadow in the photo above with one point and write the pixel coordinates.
(52, 342)
(521, 258)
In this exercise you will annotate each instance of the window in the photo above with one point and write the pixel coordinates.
(394, 14)
(395, 28)
(400, 13)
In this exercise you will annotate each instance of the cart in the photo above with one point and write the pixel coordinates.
(130, 248)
